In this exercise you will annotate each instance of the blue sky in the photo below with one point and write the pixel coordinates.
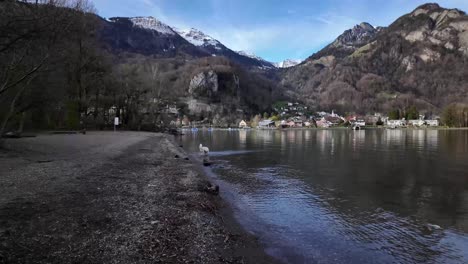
(273, 29)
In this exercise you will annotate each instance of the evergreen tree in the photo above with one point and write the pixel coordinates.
(394, 114)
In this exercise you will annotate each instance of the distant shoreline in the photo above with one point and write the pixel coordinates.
(324, 128)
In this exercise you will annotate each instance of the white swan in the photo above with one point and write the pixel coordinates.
(203, 149)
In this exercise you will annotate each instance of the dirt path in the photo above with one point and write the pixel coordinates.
(112, 198)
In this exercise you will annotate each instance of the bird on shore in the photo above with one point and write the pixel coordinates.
(203, 149)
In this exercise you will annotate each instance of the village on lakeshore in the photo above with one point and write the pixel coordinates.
(288, 115)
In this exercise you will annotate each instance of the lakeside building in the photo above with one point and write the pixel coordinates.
(396, 123)
(323, 123)
(291, 109)
(267, 123)
(421, 122)
(243, 124)
(290, 123)
(298, 123)
(432, 123)
(333, 119)
(416, 122)
(358, 122)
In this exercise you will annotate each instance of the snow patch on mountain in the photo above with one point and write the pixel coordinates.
(198, 38)
(283, 64)
(250, 55)
(287, 63)
(266, 64)
(152, 23)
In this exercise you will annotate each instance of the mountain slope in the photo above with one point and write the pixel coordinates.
(287, 63)
(349, 41)
(198, 38)
(147, 36)
(420, 59)
(216, 48)
(196, 70)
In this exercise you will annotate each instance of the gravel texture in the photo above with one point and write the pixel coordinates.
(113, 197)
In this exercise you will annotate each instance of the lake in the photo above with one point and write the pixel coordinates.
(343, 196)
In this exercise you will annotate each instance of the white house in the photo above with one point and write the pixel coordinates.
(242, 124)
(432, 123)
(416, 122)
(267, 123)
(396, 123)
(359, 122)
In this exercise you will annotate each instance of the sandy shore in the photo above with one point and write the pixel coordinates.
(110, 197)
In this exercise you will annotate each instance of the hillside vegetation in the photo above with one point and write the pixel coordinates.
(419, 60)
(63, 67)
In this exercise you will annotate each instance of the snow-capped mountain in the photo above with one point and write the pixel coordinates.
(149, 36)
(145, 35)
(152, 23)
(216, 48)
(287, 63)
(198, 38)
(282, 64)
(253, 56)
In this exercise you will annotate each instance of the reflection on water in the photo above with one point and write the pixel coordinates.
(341, 196)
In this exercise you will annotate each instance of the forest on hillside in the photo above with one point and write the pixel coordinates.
(56, 72)
(53, 72)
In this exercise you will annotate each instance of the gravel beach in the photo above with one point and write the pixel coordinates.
(113, 197)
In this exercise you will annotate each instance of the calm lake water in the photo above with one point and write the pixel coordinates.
(343, 196)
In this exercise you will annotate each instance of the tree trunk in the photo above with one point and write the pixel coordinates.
(21, 125)
(10, 112)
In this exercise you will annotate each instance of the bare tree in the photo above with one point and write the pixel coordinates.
(29, 34)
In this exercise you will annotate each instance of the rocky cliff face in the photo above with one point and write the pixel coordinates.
(431, 24)
(420, 60)
(204, 83)
(202, 89)
(349, 41)
(216, 96)
(224, 94)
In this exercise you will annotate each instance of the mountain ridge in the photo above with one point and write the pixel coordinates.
(377, 65)
(150, 36)
(349, 41)
(287, 63)
(418, 60)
